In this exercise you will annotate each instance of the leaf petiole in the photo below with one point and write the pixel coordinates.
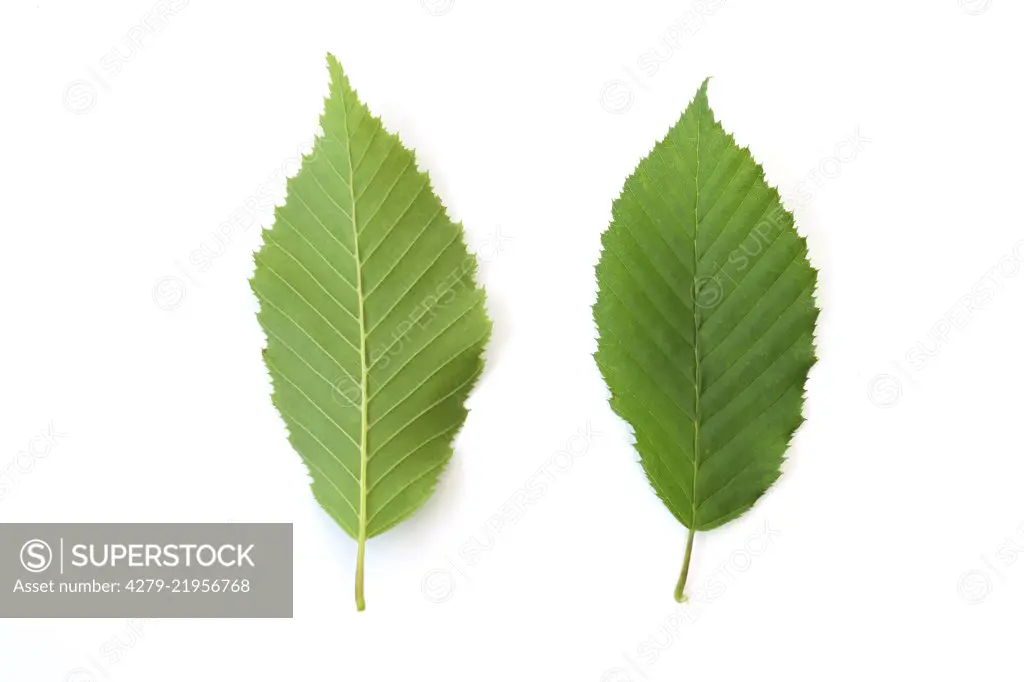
(680, 597)
(360, 602)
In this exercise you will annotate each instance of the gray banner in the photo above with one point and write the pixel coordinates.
(153, 570)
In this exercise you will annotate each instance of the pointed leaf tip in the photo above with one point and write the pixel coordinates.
(700, 98)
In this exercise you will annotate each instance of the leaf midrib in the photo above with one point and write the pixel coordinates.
(363, 365)
(696, 335)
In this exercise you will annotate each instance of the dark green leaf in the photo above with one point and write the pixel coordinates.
(706, 317)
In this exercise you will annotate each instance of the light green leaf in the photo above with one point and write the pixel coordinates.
(375, 326)
(706, 314)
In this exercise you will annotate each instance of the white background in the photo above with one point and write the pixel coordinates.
(892, 536)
